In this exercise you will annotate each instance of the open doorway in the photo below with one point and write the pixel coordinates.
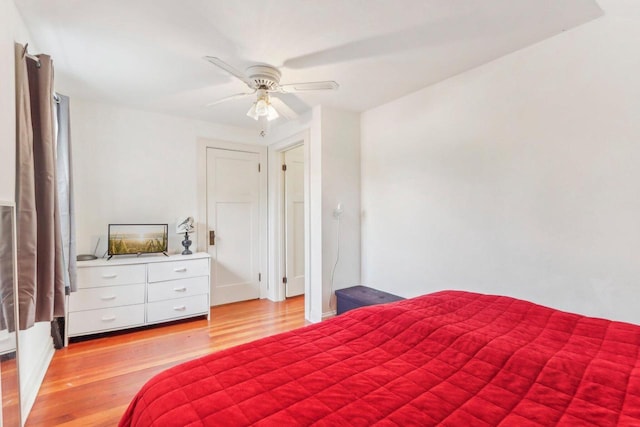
(289, 221)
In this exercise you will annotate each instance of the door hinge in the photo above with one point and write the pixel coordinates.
(259, 168)
(259, 277)
(284, 280)
(284, 168)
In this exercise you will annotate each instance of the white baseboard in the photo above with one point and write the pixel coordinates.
(315, 317)
(327, 314)
(29, 392)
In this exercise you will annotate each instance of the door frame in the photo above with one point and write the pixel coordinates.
(201, 189)
(277, 217)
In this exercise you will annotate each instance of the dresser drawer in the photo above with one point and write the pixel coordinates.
(171, 270)
(159, 291)
(106, 319)
(111, 275)
(176, 308)
(106, 296)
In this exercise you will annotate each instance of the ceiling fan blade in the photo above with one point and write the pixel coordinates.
(308, 87)
(229, 69)
(283, 109)
(229, 98)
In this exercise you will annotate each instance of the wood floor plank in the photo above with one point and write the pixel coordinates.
(91, 382)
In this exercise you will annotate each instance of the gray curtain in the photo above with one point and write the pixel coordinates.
(7, 318)
(25, 195)
(65, 192)
(40, 278)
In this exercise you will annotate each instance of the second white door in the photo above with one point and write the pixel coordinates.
(233, 221)
(294, 221)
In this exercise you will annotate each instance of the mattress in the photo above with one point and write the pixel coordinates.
(450, 358)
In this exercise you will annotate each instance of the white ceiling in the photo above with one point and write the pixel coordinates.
(147, 54)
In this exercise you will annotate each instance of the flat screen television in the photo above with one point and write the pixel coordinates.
(138, 239)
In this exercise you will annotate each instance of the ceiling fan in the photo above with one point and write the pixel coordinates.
(263, 81)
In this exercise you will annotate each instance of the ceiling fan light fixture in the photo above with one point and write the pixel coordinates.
(263, 79)
(262, 108)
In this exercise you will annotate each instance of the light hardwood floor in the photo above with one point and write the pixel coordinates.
(90, 383)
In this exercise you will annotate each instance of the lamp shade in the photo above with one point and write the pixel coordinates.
(252, 112)
(185, 224)
(272, 114)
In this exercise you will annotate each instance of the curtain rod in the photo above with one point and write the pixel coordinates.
(28, 55)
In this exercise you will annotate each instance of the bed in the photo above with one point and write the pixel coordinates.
(450, 358)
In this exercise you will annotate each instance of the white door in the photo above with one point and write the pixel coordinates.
(294, 221)
(233, 221)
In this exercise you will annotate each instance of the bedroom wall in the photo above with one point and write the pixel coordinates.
(340, 165)
(8, 22)
(36, 345)
(519, 177)
(133, 166)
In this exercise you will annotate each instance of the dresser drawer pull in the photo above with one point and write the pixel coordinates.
(182, 289)
(109, 276)
(108, 297)
(108, 318)
(180, 308)
(180, 269)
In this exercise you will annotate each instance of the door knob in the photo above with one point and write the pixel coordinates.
(212, 238)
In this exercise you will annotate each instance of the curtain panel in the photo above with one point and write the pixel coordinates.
(7, 319)
(41, 285)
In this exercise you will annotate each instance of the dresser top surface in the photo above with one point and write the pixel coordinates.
(142, 259)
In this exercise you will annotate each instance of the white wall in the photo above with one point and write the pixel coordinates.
(520, 177)
(36, 345)
(340, 184)
(133, 166)
(316, 303)
(9, 21)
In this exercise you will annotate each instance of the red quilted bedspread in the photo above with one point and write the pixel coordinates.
(450, 358)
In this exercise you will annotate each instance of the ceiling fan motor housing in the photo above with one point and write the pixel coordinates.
(264, 76)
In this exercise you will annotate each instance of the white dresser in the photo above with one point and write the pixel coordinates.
(127, 292)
